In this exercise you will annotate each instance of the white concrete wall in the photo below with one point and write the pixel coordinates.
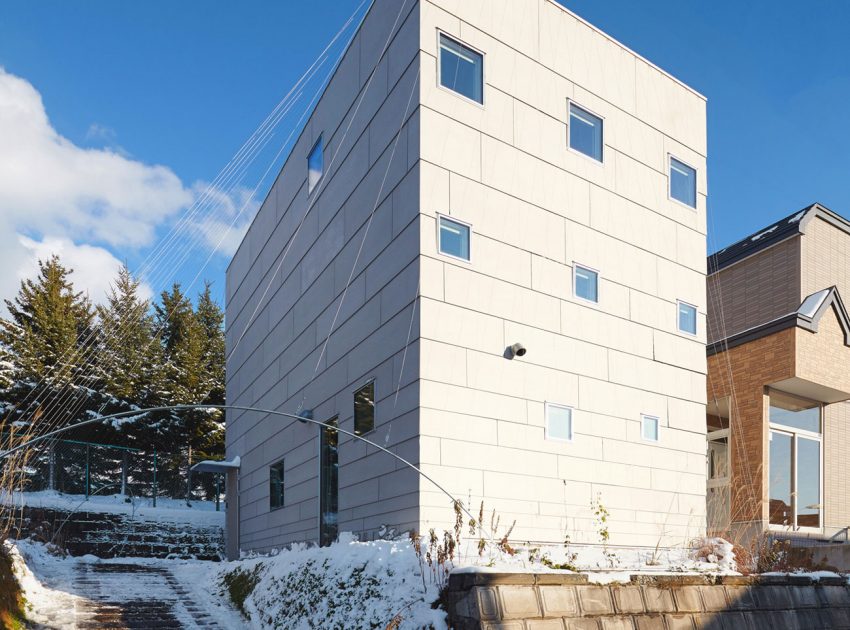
(274, 365)
(536, 208)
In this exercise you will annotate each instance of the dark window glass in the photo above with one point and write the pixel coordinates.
(781, 510)
(454, 238)
(461, 69)
(364, 409)
(276, 485)
(329, 483)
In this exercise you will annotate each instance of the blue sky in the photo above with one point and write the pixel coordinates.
(183, 84)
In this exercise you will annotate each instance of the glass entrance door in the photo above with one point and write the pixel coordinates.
(328, 483)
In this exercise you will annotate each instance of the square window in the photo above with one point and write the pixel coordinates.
(559, 423)
(315, 165)
(364, 409)
(585, 132)
(683, 183)
(586, 283)
(454, 238)
(649, 428)
(276, 485)
(687, 318)
(461, 69)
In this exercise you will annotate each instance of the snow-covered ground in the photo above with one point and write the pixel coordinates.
(349, 584)
(166, 510)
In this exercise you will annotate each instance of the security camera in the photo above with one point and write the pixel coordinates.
(516, 350)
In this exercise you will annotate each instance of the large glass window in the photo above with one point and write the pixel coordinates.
(276, 485)
(329, 483)
(364, 409)
(683, 183)
(315, 165)
(585, 132)
(461, 69)
(454, 238)
(795, 461)
(559, 422)
(586, 283)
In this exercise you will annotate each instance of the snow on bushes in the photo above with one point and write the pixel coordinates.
(349, 584)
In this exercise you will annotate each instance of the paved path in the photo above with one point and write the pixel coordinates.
(122, 596)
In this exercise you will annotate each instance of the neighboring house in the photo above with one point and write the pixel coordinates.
(547, 188)
(779, 351)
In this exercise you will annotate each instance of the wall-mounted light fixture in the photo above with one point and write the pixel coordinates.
(516, 350)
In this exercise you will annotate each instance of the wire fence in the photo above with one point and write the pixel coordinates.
(82, 468)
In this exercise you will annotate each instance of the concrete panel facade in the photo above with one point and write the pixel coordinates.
(474, 420)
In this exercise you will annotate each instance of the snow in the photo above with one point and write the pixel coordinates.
(166, 510)
(763, 234)
(61, 591)
(797, 217)
(811, 304)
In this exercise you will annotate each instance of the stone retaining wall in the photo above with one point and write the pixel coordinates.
(120, 535)
(489, 601)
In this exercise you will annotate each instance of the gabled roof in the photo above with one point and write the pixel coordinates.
(785, 228)
(807, 317)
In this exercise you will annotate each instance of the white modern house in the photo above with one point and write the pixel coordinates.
(478, 174)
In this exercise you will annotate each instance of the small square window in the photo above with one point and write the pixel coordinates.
(461, 69)
(649, 428)
(683, 183)
(586, 283)
(364, 409)
(454, 238)
(585, 132)
(315, 165)
(687, 318)
(559, 423)
(276, 485)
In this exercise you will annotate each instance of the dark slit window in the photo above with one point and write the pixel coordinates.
(329, 483)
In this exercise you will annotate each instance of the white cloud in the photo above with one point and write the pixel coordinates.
(88, 203)
(225, 217)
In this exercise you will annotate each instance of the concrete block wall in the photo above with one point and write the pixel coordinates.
(537, 208)
(285, 290)
(569, 602)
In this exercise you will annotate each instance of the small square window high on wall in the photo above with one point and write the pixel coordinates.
(586, 283)
(687, 318)
(315, 165)
(454, 238)
(559, 423)
(650, 428)
(276, 485)
(364, 409)
(683, 183)
(461, 69)
(585, 132)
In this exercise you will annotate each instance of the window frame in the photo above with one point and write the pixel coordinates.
(440, 251)
(670, 158)
(546, 433)
(458, 41)
(648, 416)
(679, 304)
(282, 464)
(795, 434)
(576, 265)
(316, 144)
(602, 152)
(366, 384)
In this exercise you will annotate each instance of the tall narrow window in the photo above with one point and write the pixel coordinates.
(650, 428)
(461, 69)
(683, 183)
(329, 483)
(364, 409)
(585, 132)
(315, 165)
(454, 238)
(559, 423)
(586, 283)
(687, 318)
(795, 461)
(276, 485)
